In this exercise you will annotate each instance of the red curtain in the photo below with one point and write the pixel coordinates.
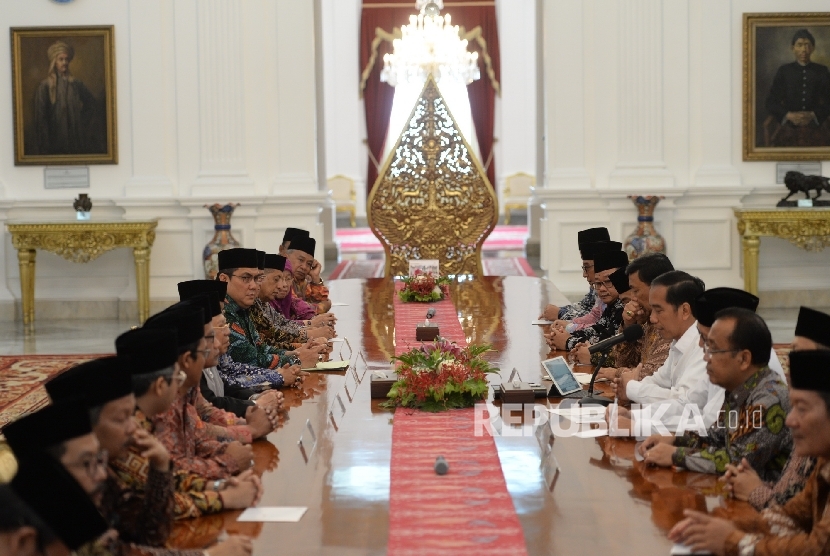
(378, 96)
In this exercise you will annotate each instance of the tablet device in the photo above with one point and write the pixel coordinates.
(561, 375)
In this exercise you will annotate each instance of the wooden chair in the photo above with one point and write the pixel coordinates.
(341, 189)
(516, 193)
(432, 199)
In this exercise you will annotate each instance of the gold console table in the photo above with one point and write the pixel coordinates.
(808, 228)
(80, 242)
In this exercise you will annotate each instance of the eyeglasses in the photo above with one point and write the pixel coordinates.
(707, 350)
(607, 285)
(587, 267)
(92, 464)
(246, 278)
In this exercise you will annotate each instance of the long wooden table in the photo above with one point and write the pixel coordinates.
(602, 501)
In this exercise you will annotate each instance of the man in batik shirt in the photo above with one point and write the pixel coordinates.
(802, 525)
(308, 285)
(751, 422)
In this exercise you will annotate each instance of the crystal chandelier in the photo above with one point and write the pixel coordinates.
(429, 44)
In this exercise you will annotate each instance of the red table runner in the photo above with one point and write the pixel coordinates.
(466, 511)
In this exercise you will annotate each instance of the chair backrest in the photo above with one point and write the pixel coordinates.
(432, 199)
(518, 185)
(342, 188)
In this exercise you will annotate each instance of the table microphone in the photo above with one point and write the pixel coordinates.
(430, 313)
(629, 334)
(441, 466)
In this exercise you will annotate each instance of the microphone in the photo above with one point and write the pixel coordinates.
(630, 334)
(430, 313)
(441, 466)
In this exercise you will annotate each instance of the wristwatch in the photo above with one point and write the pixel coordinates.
(218, 484)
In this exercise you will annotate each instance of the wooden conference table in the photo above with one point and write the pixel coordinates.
(602, 501)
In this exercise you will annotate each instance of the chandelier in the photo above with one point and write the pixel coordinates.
(430, 44)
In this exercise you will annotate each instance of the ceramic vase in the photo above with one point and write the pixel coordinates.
(222, 237)
(645, 238)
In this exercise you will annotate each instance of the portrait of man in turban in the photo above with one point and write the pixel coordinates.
(64, 95)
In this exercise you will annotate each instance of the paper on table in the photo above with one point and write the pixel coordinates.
(339, 304)
(541, 322)
(335, 340)
(583, 378)
(592, 433)
(273, 513)
(682, 550)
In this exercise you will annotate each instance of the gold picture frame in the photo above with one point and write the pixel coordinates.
(63, 94)
(773, 127)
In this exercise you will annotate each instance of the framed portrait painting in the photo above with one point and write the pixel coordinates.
(63, 81)
(786, 98)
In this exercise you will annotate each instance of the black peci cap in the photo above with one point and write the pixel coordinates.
(238, 258)
(814, 325)
(276, 262)
(606, 260)
(620, 280)
(148, 350)
(98, 381)
(195, 287)
(592, 235)
(186, 319)
(294, 233)
(716, 299)
(590, 250)
(63, 420)
(810, 370)
(304, 244)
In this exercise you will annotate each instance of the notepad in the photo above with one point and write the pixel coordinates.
(273, 513)
(329, 366)
(682, 550)
(339, 304)
(335, 340)
(541, 322)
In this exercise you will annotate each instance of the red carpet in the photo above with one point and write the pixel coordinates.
(506, 266)
(466, 511)
(22, 378)
(362, 240)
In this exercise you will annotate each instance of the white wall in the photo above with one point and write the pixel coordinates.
(215, 103)
(644, 97)
(515, 118)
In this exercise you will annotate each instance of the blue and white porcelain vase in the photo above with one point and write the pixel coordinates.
(645, 238)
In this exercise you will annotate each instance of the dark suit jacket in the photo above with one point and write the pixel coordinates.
(235, 399)
(798, 88)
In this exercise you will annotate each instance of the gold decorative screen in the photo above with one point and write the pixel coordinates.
(432, 199)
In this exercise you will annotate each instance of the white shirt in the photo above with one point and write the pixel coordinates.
(679, 381)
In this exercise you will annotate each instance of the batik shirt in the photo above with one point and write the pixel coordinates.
(279, 333)
(604, 328)
(109, 546)
(651, 350)
(580, 308)
(246, 345)
(312, 294)
(587, 320)
(792, 481)
(137, 480)
(142, 513)
(801, 526)
(247, 376)
(750, 425)
(222, 424)
(191, 445)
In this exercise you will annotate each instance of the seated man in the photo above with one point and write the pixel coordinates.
(584, 306)
(308, 285)
(151, 356)
(671, 296)
(802, 525)
(193, 445)
(751, 422)
(240, 269)
(811, 329)
(292, 233)
(58, 439)
(605, 264)
(578, 323)
(22, 531)
(649, 352)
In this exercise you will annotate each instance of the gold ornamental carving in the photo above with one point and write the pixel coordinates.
(84, 245)
(432, 200)
(808, 229)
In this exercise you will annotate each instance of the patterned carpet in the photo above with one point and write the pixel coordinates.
(373, 268)
(22, 378)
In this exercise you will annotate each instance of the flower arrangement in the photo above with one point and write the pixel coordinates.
(423, 287)
(439, 376)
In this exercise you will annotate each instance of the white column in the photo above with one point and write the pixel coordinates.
(640, 162)
(295, 148)
(564, 105)
(222, 146)
(711, 83)
(152, 111)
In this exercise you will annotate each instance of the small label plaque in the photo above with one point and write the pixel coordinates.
(66, 177)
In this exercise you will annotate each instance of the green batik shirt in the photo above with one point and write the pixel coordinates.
(246, 344)
(750, 425)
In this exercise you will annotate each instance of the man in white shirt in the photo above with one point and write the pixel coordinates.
(664, 395)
